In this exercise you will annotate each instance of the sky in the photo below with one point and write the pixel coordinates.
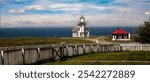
(66, 13)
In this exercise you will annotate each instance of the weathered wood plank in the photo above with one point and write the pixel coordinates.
(35, 53)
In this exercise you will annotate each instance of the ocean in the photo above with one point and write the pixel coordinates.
(56, 32)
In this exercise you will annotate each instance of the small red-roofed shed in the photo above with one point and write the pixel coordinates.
(120, 34)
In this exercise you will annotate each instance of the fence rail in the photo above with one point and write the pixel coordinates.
(135, 47)
(35, 54)
(51, 52)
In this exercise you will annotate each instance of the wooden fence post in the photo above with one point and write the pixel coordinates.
(98, 49)
(141, 47)
(84, 49)
(76, 49)
(38, 53)
(67, 48)
(62, 57)
(92, 50)
(53, 58)
(2, 57)
(23, 55)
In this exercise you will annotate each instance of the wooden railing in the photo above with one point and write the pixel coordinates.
(135, 47)
(35, 54)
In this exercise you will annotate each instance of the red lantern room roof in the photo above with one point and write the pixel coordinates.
(120, 31)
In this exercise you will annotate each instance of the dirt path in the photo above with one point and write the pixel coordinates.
(100, 40)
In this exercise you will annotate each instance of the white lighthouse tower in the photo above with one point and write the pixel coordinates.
(81, 30)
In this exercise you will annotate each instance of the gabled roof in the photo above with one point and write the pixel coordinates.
(86, 29)
(76, 28)
(120, 31)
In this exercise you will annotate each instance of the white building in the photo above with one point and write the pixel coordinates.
(81, 30)
(121, 35)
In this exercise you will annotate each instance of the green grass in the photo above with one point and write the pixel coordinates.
(109, 38)
(34, 41)
(94, 59)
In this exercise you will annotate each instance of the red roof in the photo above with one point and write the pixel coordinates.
(120, 31)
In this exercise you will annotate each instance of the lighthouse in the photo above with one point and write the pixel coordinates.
(80, 30)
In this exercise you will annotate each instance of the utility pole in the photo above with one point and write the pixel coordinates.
(133, 30)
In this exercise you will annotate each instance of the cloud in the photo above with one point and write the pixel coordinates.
(39, 21)
(65, 7)
(66, 13)
(147, 13)
(52, 7)
(36, 7)
(16, 11)
(97, 20)
(61, 6)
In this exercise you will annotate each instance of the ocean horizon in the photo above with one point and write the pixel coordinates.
(57, 31)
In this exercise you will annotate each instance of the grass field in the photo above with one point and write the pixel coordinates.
(110, 58)
(34, 41)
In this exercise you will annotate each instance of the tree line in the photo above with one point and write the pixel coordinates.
(144, 33)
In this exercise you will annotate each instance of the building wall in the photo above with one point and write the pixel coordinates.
(74, 34)
(124, 37)
(80, 33)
